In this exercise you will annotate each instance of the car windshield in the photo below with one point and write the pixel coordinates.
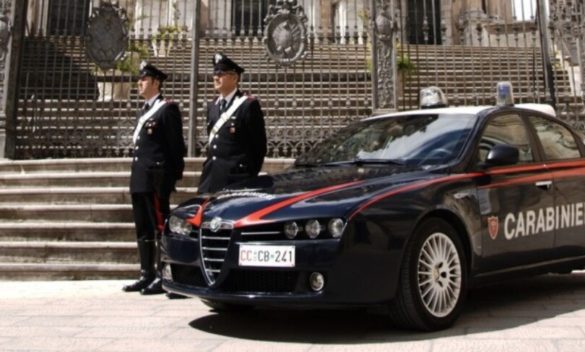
(422, 139)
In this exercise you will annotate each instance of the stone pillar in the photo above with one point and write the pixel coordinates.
(446, 20)
(385, 31)
(12, 26)
(472, 24)
(325, 19)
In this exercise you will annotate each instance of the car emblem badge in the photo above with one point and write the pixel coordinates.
(493, 226)
(215, 224)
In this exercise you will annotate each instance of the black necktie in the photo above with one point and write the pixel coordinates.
(145, 108)
(222, 106)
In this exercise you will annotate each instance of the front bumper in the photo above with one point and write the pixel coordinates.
(353, 275)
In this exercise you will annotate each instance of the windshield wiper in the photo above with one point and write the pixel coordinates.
(360, 161)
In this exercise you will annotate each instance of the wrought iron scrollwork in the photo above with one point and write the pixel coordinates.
(107, 35)
(285, 38)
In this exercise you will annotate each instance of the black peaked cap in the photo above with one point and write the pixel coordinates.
(222, 63)
(147, 69)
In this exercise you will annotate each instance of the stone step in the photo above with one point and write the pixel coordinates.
(34, 230)
(68, 212)
(68, 252)
(63, 271)
(117, 119)
(80, 195)
(274, 130)
(81, 179)
(88, 165)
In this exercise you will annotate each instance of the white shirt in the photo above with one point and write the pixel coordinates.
(228, 98)
(151, 101)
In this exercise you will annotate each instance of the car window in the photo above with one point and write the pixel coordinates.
(419, 139)
(557, 141)
(505, 129)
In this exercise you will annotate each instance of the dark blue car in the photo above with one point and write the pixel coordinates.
(405, 211)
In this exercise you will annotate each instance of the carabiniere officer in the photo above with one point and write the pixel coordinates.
(158, 163)
(235, 126)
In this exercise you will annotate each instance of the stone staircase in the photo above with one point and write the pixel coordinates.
(468, 75)
(71, 218)
(59, 92)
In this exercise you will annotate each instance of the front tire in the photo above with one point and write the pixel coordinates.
(433, 278)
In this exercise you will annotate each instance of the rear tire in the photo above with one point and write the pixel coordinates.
(433, 278)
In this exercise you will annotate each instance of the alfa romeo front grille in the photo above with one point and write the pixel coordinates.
(214, 246)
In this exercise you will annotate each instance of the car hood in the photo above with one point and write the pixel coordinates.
(303, 192)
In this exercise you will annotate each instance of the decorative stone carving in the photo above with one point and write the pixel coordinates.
(567, 26)
(107, 35)
(285, 38)
(386, 28)
(473, 26)
(5, 32)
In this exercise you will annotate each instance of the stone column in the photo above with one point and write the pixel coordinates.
(472, 24)
(325, 14)
(12, 26)
(385, 30)
(446, 20)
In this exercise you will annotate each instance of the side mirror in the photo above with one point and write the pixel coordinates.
(501, 155)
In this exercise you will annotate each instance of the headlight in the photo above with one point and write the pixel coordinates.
(291, 229)
(179, 226)
(335, 227)
(312, 228)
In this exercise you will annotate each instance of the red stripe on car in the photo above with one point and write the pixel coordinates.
(256, 217)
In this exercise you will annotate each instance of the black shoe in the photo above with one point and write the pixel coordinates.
(154, 288)
(139, 284)
(172, 295)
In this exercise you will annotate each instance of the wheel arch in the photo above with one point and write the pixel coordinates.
(459, 227)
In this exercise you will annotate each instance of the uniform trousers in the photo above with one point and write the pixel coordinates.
(150, 211)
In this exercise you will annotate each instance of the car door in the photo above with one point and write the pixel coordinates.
(512, 197)
(562, 154)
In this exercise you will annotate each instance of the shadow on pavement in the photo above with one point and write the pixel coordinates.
(492, 308)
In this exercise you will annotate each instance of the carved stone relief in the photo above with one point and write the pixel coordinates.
(386, 28)
(5, 34)
(285, 38)
(107, 35)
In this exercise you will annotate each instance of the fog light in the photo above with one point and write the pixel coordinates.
(317, 281)
(166, 272)
(291, 229)
(335, 227)
(313, 228)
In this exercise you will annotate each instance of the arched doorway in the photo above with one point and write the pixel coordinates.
(424, 22)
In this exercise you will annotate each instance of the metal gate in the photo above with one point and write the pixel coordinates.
(312, 63)
(466, 48)
(74, 106)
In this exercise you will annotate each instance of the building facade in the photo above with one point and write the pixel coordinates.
(68, 66)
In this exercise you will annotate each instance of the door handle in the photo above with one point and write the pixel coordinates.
(545, 185)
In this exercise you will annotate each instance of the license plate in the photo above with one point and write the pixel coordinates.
(268, 256)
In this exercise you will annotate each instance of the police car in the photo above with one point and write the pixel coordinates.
(405, 211)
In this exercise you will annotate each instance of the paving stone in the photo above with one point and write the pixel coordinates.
(98, 316)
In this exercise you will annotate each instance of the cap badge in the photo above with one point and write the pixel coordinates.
(218, 58)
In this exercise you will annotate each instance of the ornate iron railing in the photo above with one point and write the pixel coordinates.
(72, 106)
(69, 106)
